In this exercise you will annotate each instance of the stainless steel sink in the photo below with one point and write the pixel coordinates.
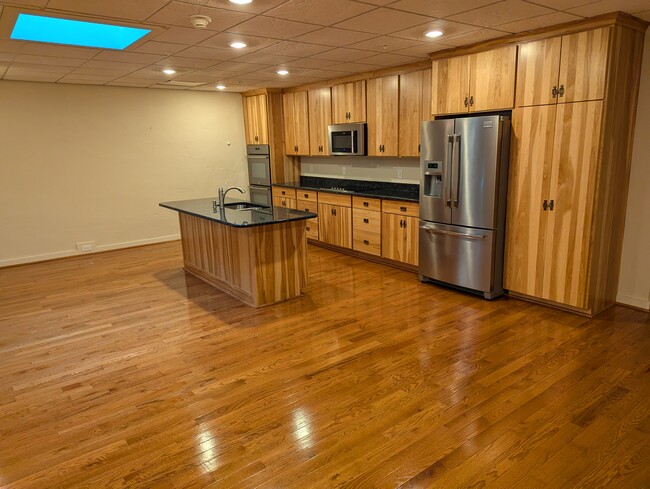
(245, 206)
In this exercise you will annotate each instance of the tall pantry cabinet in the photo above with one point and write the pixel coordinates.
(572, 129)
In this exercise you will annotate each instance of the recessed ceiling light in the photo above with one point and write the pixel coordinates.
(434, 33)
(221, 87)
(40, 28)
(282, 72)
(240, 2)
(169, 71)
(238, 45)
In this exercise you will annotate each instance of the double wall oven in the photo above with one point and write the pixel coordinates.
(259, 173)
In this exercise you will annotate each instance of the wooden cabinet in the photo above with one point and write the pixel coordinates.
(256, 126)
(570, 68)
(320, 116)
(335, 219)
(399, 231)
(414, 107)
(383, 116)
(284, 197)
(474, 83)
(296, 123)
(349, 102)
(307, 200)
(366, 225)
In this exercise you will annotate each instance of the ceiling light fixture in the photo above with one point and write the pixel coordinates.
(241, 2)
(168, 71)
(434, 33)
(237, 44)
(282, 72)
(221, 87)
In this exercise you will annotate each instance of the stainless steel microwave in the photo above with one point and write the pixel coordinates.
(347, 139)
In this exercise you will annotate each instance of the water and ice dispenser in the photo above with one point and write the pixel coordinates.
(433, 179)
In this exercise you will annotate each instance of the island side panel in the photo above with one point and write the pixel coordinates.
(219, 255)
(281, 258)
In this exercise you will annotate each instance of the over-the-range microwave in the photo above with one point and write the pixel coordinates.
(347, 139)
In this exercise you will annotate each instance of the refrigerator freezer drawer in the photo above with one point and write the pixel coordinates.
(457, 255)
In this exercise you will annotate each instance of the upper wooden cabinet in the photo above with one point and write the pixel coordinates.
(563, 69)
(256, 124)
(474, 83)
(320, 116)
(383, 116)
(296, 123)
(349, 102)
(414, 107)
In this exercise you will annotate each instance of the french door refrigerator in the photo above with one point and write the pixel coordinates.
(464, 169)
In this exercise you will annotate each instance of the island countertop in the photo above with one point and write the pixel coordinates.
(203, 208)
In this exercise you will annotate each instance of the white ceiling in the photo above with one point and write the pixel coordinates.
(314, 39)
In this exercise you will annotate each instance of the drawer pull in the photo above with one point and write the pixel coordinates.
(366, 242)
(366, 221)
(365, 204)
(308, 228)
(283, 192)
(306, 196)
(306, 209)
(403, 209)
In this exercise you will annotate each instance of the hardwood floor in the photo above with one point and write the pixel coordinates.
(120, 370)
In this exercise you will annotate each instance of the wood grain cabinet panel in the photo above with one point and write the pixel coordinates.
(349, 102)
(414, 107)
(538, 71)
(256, 119)
(583, 65)
(492, 79)
(335, 225)
(366, 231)
(296, 123)
(399, 238)
(449, 85)
(383, 116)
(320, 116)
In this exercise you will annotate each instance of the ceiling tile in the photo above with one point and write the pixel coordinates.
(127, 82)
(344, 54)
(118, 9)
(164, 48)
(48, 60)
(439, 8)
(37, 76)
(606, 6)
(183, 35)
(538, 22)
(128, 57)
(197, 77)
(384, 44)
(181, 62)
(330, 36)
(564, 4)
(423, 49)
(273, 28)
(12, 46)
(42, 49)
(169, 87)
(257, 7)
(112, 65)
(154, 73)
(379, 3)
(234, 67)
(297, 49)
(383, 21)
(390, 59)
(316, 12)
(448, 27)
(29, 67)
(501, 13)
(475, 36)
(85, 79)
(7, 57)
(311, 63)
(206, 53)
(29, 3)
(267, 59)
(3, 69)
(223, 40)
(178, 13)
(354, 67)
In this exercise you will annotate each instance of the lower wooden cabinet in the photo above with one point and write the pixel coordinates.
(399, 231)
(309, 206)
(335, 219)
(284, 197)
(366, 225)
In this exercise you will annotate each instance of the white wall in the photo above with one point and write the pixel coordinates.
(634, 283)
(85, 163)
(363, 168)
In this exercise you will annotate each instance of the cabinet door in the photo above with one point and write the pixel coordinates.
(583, 65)
(414, 107)
(320, 116)
(349, 102)
(531, 153)
(284, 202)
(288, 120)
(492, 79)
(399, 238)
(383, 116)
(449, 85)
(296, 124)
(572, 188)
(538, 71)
(256, 119)
(335, 225)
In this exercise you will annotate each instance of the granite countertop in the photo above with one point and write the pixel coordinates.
(239, 218)
(380, 190)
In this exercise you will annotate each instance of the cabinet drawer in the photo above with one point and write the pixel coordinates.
(284, 192)
(306, 205)
(312, 229)
(284, 202)
(368, 242)
(334, 199)
(366, 203)
(366, 221)
(403, 208)
(310, 195)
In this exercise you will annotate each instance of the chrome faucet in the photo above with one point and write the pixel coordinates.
(222, 194)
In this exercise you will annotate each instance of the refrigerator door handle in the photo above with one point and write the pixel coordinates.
(451, 233)
(446, 177)
(456, 170)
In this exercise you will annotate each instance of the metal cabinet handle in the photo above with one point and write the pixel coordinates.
(471, 100)
(554, 91)
(365, 204)
(561, 91)
(466, 102)
(334, 212)
(308, 228)
(306, 196)
(306, 209)
(551, 205)
(366, 221)
(545, 205)
(419, 146)
(451, 233)
(404, 224)
(284, 203)
(257, 138)
(366, 242)
(402, 209)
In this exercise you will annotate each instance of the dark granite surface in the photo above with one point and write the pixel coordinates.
(239, 218)
(382, 190)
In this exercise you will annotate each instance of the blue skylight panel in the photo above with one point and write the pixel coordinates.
(75, 32)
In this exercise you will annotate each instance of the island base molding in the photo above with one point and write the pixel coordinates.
(258, 265)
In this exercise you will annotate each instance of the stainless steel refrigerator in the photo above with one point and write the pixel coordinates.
(464, 169)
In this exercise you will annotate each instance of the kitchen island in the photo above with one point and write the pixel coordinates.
(257, 254)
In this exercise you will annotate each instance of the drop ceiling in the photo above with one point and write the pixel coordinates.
(313, 39)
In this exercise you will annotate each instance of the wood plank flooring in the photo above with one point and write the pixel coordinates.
(120, 370)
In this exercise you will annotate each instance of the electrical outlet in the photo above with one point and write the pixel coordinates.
(400, 173)
(85, 246)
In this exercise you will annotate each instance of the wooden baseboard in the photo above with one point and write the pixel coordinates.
(239, 294)
(365, 256)
(636, 308)
(555, 305)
